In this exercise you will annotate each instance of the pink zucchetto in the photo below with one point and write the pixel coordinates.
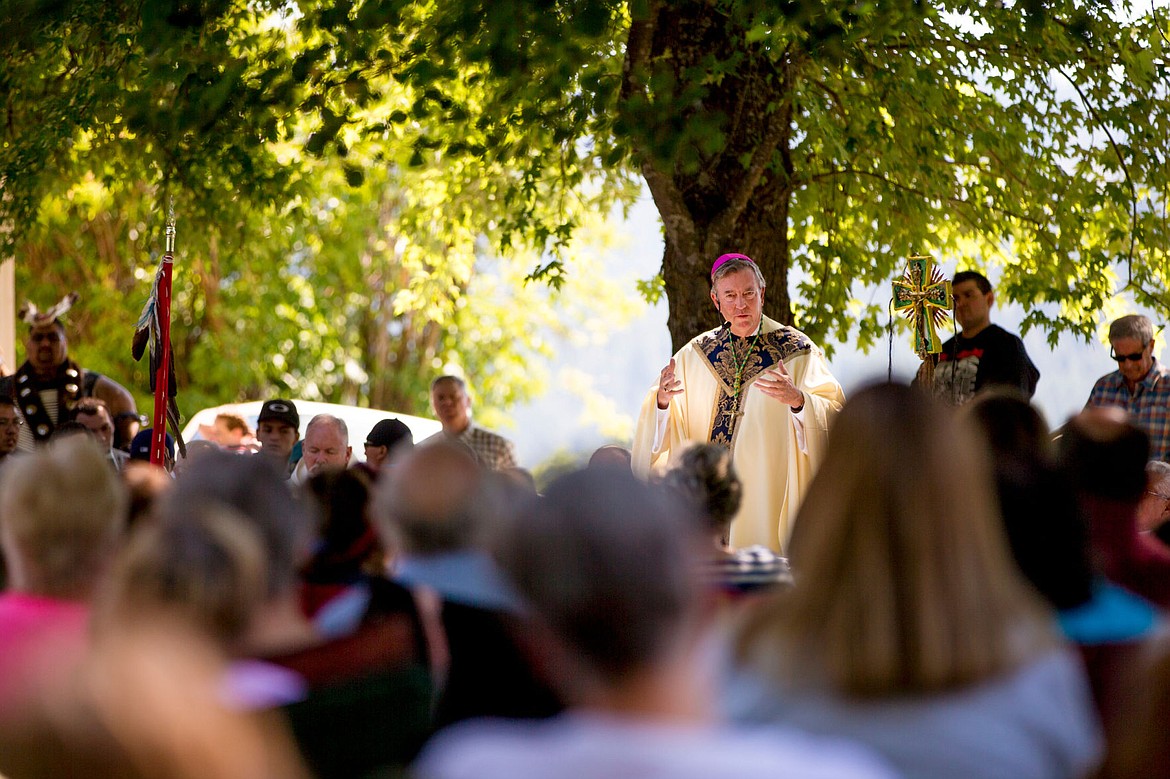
(723, 258)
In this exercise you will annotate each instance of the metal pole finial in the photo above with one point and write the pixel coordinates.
(171, 226)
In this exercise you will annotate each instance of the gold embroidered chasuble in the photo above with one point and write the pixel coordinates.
(760, 430)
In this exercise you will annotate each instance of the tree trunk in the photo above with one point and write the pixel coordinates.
(713, 197)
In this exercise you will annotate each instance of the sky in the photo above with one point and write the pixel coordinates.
(620, 368)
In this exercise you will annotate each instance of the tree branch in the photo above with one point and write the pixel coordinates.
(1133, 196)
(638, 47)
(832, 93)
(778, 131)
(920, 193)
(676, 217)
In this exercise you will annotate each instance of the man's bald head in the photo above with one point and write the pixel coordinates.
(436, 499)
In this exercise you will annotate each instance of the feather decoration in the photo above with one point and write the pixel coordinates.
(146, 329)
(147, 339)
(31, 315)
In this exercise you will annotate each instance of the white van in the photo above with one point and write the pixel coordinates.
(359, 420)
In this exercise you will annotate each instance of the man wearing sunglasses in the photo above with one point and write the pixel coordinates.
(1140, 385)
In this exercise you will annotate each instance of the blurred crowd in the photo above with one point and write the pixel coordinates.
(965, 594)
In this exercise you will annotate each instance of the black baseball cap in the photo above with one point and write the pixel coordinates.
(279, 411)
(389, 433)
(140, 446)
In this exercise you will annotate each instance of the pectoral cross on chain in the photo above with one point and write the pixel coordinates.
(924, 297)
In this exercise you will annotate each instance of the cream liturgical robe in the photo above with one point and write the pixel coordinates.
(766, 445)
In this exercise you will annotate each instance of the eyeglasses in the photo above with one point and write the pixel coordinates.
(1135, 357)
(1158, 495)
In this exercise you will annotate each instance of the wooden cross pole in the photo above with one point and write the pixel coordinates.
(924, 297)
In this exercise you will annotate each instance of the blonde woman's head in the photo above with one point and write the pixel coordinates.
(62, 511)
(904, 583)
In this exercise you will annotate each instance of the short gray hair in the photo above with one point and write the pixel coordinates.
(731, 266)
(257, 493)
(436, 499)
(1158, 473)
(1132, 326)
(608, 563)
(457, 380)
(329, 419)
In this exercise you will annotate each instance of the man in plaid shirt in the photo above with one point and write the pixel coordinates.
(453, 408)
(1140, 385)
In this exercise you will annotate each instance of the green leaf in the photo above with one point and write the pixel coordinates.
(354, 176)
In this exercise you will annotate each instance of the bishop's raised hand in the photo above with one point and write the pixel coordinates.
(668, 385)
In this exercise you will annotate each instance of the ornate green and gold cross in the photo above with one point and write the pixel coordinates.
(924, 297)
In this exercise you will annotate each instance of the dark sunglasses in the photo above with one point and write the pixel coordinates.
(1135, 357)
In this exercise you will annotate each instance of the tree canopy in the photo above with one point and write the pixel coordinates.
(832, 140)
(352, 271)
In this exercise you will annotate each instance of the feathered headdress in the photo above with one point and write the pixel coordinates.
(31, 315)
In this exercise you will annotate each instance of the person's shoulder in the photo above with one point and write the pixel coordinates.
(434, 438)
(785, 337)
(484, 433)
(1109, 381)
(788, 752)
(703, 341)
(1113, 615)
(483, 749)
(994, 332)
(601, 746)
(1050, 688)
(117, 397)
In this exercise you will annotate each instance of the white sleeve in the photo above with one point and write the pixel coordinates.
(798, 427)
(661, 419)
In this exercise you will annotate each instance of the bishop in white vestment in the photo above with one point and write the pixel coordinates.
(760, 388)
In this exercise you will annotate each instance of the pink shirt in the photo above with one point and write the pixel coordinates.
(40, 637)
(1126, 557)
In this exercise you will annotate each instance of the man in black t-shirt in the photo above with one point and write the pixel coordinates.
(982, 354)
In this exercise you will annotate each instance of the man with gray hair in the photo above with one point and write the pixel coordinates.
(433, 510)
(1140, 385)
(1154, 508)
(452, 407)
(326, 447)
(755, 386)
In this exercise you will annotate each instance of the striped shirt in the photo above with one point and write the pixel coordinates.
(1149, 404)
(25, 441)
